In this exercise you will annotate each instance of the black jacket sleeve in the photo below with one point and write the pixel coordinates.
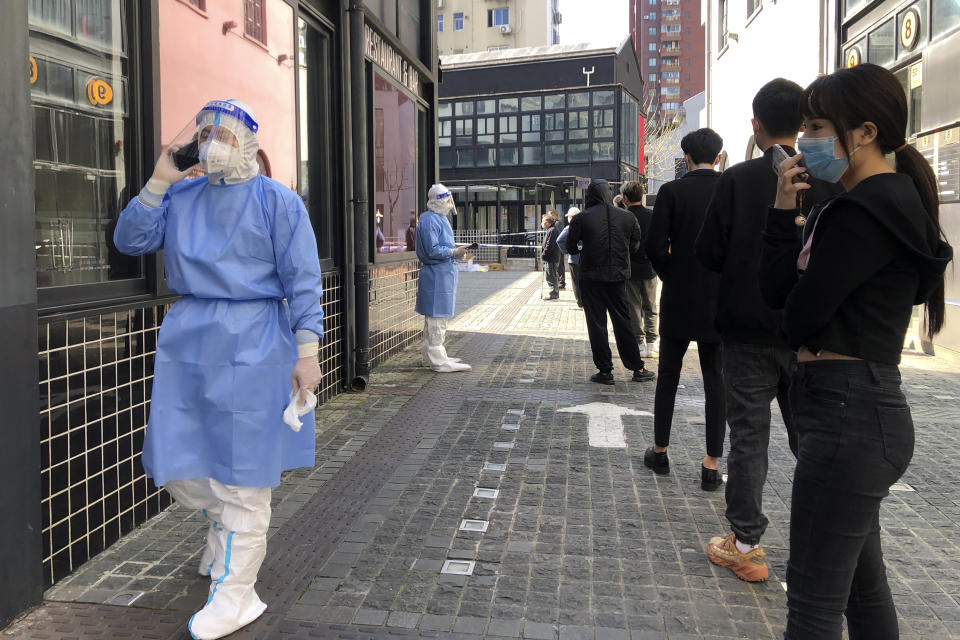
(779, 249)
(711, 245)
(658, 239)
(850, 246)
(574, 235)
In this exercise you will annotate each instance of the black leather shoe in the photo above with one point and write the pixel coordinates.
(710, 479)
(643, 375)
(659, 462)
(603, 377)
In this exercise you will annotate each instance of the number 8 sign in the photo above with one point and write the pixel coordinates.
(99, 92)
(909, 29)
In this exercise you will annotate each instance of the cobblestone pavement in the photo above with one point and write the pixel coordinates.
(569, 541)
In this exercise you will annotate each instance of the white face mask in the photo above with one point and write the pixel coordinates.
(217, 157)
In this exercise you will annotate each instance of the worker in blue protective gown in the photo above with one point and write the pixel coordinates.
(240, 251)
(437, 286)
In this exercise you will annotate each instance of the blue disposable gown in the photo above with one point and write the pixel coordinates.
(437, 288)
(226, 349)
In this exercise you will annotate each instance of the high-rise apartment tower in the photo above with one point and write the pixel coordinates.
(670, 48)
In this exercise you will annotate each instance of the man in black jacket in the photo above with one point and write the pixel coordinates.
(550, 254)
(758, 365)
(688, 302)
(605, 237)
(642, 285)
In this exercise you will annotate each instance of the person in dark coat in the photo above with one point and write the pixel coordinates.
(642, 285)
(550, 254)
(605, 237)
(758, 365)
(688, 302)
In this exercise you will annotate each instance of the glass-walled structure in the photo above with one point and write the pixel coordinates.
(919, 41)
(345, 96)
(521, 131)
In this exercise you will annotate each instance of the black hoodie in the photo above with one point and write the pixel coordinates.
(875, 253)
(609, 235)
(729, 243)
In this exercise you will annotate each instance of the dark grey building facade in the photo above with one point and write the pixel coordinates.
(521, 131)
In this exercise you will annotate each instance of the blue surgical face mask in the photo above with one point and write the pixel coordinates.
(819, 159)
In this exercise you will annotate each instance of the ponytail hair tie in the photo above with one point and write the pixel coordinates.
(901, 147)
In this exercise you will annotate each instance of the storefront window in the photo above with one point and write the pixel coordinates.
(629, 129)
(315, 170)
(395, 170)
(946, 16)
(79, 78)
(880, 44)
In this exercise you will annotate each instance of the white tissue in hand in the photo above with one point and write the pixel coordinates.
(291, 415)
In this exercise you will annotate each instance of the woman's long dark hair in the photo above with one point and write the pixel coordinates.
(870, 93)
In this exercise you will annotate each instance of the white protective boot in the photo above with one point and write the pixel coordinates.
(433, 352)
(239, 546)
(208, 561)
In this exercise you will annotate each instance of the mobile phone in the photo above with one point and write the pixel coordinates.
(779, 155)
(187, 156)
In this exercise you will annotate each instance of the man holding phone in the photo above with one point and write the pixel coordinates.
(758, 366)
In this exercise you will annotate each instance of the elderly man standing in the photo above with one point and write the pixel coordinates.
(437, 287)
(550, 254)
(605, 237)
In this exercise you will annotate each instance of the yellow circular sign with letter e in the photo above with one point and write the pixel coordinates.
(853, 57)
(99, 92)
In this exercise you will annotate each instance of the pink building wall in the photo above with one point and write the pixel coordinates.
(199, 62)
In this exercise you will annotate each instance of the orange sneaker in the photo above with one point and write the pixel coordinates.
(751, 566)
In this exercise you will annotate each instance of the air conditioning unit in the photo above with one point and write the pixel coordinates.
(505, 28)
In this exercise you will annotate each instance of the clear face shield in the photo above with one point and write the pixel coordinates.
(220, 143)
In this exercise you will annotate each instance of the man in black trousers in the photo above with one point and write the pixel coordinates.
(550, 255)
(688, 302)
(642, 285)
(758, 366)
(605, 237)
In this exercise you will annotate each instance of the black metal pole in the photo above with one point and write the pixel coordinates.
(346, 227)
(361, 282)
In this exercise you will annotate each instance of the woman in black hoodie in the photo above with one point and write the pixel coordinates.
(867, 256)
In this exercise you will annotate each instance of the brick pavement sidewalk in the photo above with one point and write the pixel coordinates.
(580, 541)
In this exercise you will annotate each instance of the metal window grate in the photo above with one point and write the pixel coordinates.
(96, 374)
(331, 348)
(393, 322)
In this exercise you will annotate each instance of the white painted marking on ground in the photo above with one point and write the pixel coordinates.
(494, 466)
(510, 427)
(901, 486)
(503, 445)
(604, 423)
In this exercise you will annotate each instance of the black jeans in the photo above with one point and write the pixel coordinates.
(562, 271)
(856, 439)
(753, 375)
(668, 376)
(600, 298)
